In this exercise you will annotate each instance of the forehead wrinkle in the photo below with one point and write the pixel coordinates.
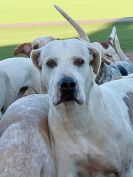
(65, 48)
(77, 57)
(80, 47)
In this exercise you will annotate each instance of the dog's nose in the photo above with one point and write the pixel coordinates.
(67, 83)
(67, 86)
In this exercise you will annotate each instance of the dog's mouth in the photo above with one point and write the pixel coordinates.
(68, 95)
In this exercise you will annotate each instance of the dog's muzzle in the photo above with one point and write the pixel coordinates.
(68, 89)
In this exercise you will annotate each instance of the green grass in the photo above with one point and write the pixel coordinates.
(14, 11)
(20, 11)
(11, 37)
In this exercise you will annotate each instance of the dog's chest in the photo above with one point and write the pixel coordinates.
(78, 158)
(82, 149)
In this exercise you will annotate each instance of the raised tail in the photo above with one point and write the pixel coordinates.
(77, 27)
(112, 36)
(119, 50)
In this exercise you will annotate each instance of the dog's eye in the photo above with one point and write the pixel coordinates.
(51, 63)
(35, 47)
(79, 62)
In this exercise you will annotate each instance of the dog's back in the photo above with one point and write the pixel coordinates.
(16, 68)
(21, 72)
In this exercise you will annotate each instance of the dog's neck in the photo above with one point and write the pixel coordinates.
(77, 120)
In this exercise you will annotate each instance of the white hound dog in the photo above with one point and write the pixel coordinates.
(88, 132)
(16, 75)
(90, 125)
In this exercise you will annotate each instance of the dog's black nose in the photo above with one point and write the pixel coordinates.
(67, 83)
(68, 89)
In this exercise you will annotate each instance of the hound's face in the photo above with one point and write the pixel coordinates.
(67, 67)
(26, 48)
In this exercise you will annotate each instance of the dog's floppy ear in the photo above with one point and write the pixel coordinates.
(95, 60)
(35, 55)
(25, 49)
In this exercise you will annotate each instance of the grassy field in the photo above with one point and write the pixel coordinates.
(19, 11)
(14, 11)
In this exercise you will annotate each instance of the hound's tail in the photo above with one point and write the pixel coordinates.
(112, 36)
(77, 27)
(119, 50)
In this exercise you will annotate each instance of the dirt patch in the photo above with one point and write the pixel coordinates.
(62, 23)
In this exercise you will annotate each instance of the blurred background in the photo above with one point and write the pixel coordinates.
(22, 21)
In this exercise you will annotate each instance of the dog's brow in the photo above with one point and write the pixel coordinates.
(77, 57)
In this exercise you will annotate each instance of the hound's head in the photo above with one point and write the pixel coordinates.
(68, 69)
(26, 48)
